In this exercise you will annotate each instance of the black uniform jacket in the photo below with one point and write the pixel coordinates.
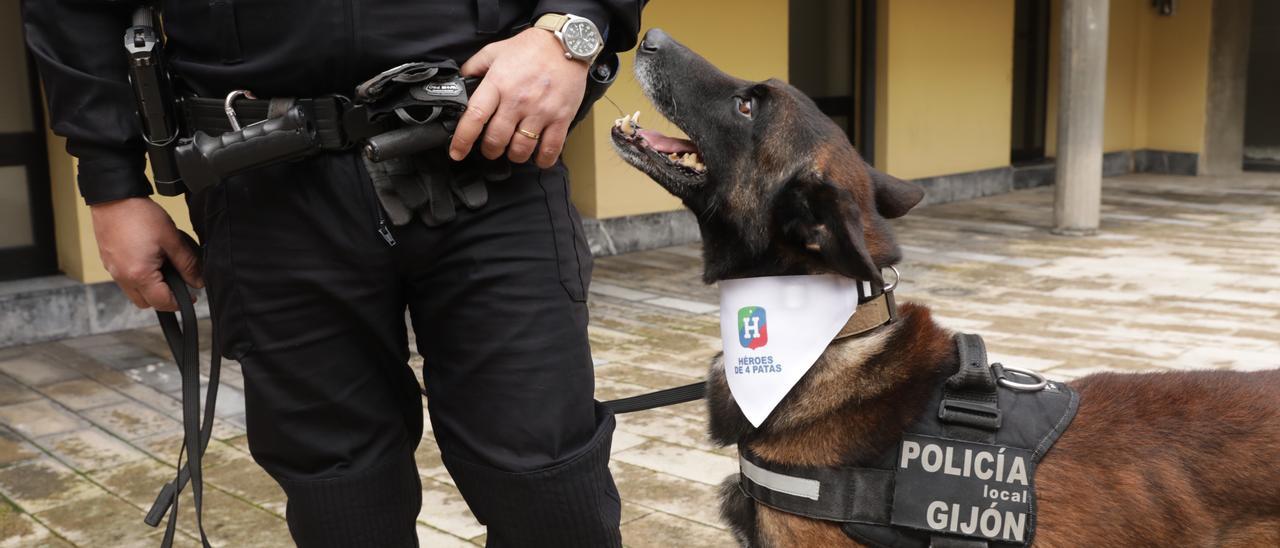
(275, 48)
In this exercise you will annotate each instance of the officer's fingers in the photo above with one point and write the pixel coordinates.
(552, 143)
(498, 134)
(480, 107)
(479, 63)
(135, 297)
(523, 144)
(183, 257)
(159, 296)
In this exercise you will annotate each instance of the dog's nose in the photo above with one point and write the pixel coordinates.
(653, 41)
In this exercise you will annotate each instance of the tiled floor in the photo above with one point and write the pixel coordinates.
(1183, 275)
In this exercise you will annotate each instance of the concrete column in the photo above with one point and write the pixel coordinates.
(1225, 100)
(1082, 57)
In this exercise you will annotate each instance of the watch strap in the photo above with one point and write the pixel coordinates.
(551, 21)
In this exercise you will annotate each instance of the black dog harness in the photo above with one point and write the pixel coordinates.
(963, 474)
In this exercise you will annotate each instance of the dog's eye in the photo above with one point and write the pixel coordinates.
(744, 106)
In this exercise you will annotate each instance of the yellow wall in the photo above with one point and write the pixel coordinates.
(943, 105)
(73, 229)
(604, 185)
(1157, 77)
(1178, 77)
(944, 69)
(1126, 54)
(746, 38)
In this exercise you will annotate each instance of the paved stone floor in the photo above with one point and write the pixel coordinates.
(1183, 275)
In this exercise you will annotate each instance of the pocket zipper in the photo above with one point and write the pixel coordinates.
(385, 231)
(371, 196)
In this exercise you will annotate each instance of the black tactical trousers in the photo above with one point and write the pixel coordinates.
(310, 299)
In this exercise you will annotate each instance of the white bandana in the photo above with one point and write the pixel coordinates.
(774, 328)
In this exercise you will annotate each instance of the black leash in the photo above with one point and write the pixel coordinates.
(184, 343)
(661, 398)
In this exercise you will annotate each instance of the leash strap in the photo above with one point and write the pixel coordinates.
(661, 398)
(184, 343)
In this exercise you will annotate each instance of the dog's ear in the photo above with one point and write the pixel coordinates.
(823, 219)
(894, 197)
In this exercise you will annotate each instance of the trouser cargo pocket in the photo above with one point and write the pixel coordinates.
(573, 254)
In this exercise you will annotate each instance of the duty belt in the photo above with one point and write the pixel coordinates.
(326, 112)
(405, 111)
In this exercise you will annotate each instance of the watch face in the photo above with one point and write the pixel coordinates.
(581, 38)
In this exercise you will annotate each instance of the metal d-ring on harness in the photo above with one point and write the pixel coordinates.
(1002, 378)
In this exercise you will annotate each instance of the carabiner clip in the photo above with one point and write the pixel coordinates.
(228, 106)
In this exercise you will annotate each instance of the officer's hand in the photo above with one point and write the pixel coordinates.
(528, 85)
(135, 236)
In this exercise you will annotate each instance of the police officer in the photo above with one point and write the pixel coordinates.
(310, 299)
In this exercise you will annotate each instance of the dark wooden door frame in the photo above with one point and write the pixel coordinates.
(28, 149)
(1035, 105)
(859, 107)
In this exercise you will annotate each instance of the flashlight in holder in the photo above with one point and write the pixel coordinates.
(154, 95)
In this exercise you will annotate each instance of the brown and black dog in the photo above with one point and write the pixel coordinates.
(1170, 459)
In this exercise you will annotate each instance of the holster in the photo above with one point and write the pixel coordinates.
(413, 182)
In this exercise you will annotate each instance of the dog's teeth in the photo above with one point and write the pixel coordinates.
(627, 128)
(635, 117)
(688, 160)
(673, 157)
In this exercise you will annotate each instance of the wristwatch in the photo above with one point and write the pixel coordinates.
(578, 35)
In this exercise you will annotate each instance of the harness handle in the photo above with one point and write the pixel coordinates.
(969, 397)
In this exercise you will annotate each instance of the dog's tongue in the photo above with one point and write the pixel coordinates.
(664, 144)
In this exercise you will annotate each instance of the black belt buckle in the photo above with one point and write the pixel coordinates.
(968, 413)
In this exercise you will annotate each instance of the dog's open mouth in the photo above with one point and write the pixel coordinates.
(649, 149)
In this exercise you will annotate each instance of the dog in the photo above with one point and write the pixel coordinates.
(1164, 459)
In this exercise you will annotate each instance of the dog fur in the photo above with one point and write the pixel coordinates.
(1186, 459)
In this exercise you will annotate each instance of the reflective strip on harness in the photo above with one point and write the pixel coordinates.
(848, 495)
(782, 483)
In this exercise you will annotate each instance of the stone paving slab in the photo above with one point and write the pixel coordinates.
(1183, 275)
